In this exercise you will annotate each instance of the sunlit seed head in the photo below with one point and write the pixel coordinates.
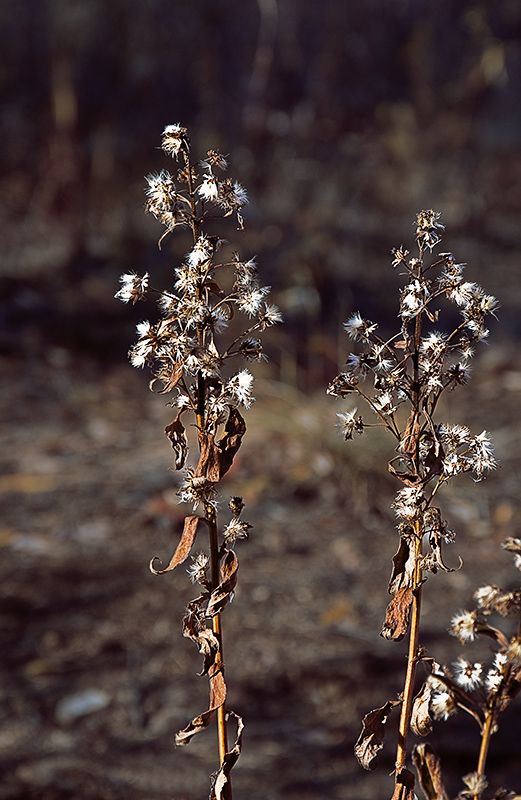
(467, 675)
(463, 626)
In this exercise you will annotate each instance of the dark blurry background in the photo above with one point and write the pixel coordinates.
(342, 120)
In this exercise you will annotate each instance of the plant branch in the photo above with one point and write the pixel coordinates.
(412, 658)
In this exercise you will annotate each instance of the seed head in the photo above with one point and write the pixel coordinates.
(175, 139)
(463, 626)
(467, 675)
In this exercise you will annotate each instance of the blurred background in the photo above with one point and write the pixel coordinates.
(342, 120)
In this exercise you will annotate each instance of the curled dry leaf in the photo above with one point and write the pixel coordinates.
(171, 381)
(409, 442)
(234, 430)
(216, 458)
(222, 593)
(404, 786)
(220, 779)
(183, 548)
(209, 455)
(421, 722)
(177, 435)
(194, 628)
(217, 698)
(427, 765)
(397, 615)
(371, 738)
(403, 565)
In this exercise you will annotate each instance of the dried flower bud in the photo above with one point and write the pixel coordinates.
(175, 139)
(428, 228)
(198, 569)
(350, 424)
(443, 705)
(486, 596)
(236, 529)
(359, 329)
(467, 675)
(133, 287)
(476, 783)
(343, 384)
(236, 505)
(463, 626)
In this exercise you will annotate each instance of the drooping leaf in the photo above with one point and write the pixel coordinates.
(169, 381)
(397, 615)
(177, 435)
(221, 779)
(421, 722)
(404, 786)
(371, 738)
(409, 441)
(183, 548)
(427, 765)
(209, 459)
(199, 723)
(194, 627)
(222, 593)
(234, 430)
(403, 564)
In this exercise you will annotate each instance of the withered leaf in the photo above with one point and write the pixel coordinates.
(209, 459)
(194, 628)
(404, 786)
(198, 724)
(183, 548)
(403, 566)
(214, 287)
(220, 779)
(171, 382)
(421, 722)
(177, 435)
(371, 739)
(221, 594)
(397, 616)
(234, 430)
(411, 434)
(427, 765)
(408, 476)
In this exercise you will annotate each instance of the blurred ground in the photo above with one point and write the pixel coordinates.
(342, 120)
(88, 497)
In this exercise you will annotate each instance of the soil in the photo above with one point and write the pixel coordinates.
(96, 677)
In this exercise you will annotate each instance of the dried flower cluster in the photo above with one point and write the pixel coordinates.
(401, 380)
(186, 352)
(483, 691)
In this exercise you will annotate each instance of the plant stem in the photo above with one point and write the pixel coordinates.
(211, 519)
(485, 742)
(216, 624)
(412, 658)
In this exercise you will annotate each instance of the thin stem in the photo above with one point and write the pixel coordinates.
(211, 519)
(483, 750)
(412, 658)
(216, 624)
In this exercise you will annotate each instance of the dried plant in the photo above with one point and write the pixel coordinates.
(483, 692)
(409, 373)
(187, 352)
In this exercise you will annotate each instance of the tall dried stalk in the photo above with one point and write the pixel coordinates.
(410, 370)
(187, 351)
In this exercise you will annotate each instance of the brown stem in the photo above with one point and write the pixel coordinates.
(211, 520)
(412, 658)
(216, 623)
(486, 734)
